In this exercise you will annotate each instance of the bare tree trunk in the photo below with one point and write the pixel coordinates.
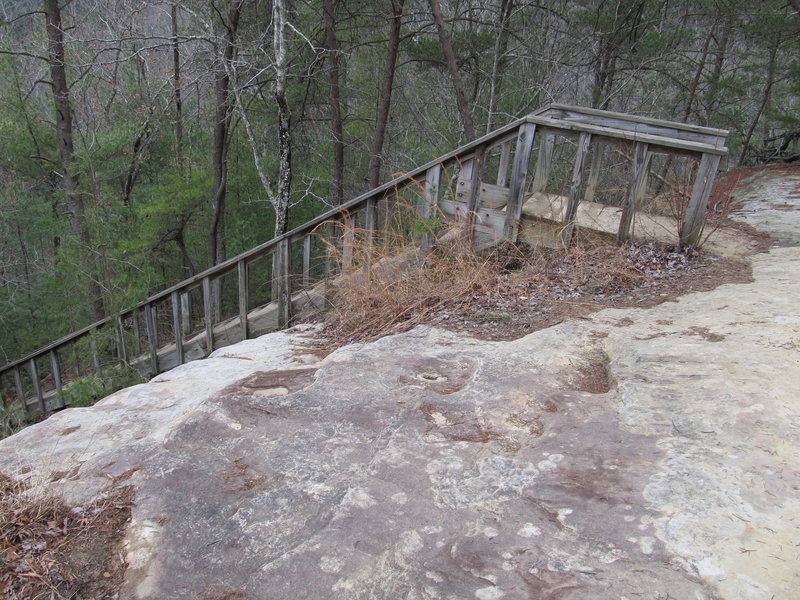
(385, 99)
(281, 201)
(332, 45)
(764, 99)
(76, 210)
(716, 73)
(222, 117)
(506, 7)
(697, 75)
(452, 65)
(176, 69)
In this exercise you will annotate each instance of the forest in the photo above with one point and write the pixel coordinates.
(142, 141)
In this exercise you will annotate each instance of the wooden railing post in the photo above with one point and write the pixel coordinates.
(519, 175)
(21, 391)
(429, 202)
(641, 167)
(505, 158)
(208, 315)
(543, 162)
(572, 200)
(56, 371)
(476, 168)
(284, 293)
(692, 227)
(37, 388)
(122, 352)
(241, 268)
(594, 171)
(307, 260)
(176, 326)
(186, 313)
(152, 340)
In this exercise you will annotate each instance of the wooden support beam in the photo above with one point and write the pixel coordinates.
(348, 241)
(572, 200)
(639, 170)
(429, 202)
(241, 269)
(136, 333)
(307, 260)
(505, 159)
(284, 298)
(23, 399)
(519, 176)
(594, 171)
(186, 313)
(95, 356)
(176, 326)
(122, 351)
(370, 222)
(152, 343)
(692, 228)
(476, 168)
(543, 161)
(37, 388)
(208, 315)
(55, 370)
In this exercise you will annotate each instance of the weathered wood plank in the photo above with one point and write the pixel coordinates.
(152, 342)
(348, 241)
(594, 171)
(307, 240)
(23, 399)
(692, 228)
(37, 386)
(241, 270)
(502, 168)
(55, 370)
(683, 131)
(186, 312)
(208, 315)
(136, 333)
(284, 291)
(639, 170)
(122, 351)
(572, 199)
(476, 168)
(176, 326)
(543, 161)
(519, 177)
(657, 142)
(429, 202)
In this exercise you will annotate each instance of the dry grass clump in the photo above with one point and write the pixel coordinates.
(48, 550)
(391, 287)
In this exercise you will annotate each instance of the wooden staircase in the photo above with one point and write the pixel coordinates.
(484, 186)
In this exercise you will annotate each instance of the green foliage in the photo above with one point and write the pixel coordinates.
(85, 391)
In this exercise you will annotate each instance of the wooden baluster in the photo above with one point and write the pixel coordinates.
(176, 326)
(95, 356)
(56, 371)
(307, 260)
(136, 333)
(505, 158)
(640, 168)
(476, 168)
(284, 292)
(348, 241)
(122, 351)
(519, 174)
(429, 203)
(241, 268)
(543, 162)
(207, 315)
(152, 343)
(572, 200)
(594, 171)
(370, 222)
(186, 313)
(23, 399)
(692, 228)
(37, 388)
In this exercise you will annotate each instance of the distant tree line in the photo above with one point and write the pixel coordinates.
(142, 141)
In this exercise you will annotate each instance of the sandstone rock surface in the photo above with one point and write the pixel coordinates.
(638, 453)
